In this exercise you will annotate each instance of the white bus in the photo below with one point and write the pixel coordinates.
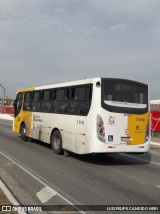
(98, 115)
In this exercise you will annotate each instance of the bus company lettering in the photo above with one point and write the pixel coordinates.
(111, 120)
(139, 129)
(37, 118)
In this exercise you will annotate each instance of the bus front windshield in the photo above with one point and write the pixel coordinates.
(124, 96)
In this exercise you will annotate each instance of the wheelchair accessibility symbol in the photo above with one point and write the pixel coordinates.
(110, 138)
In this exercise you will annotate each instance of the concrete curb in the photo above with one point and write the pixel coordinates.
(155, 143)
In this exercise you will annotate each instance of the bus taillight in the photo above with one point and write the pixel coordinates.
(100, 129)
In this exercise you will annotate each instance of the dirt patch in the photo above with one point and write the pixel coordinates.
(4, 201)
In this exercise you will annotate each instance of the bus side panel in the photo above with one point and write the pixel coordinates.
(42, 125)
(71, 127)
(73, 132)
(80, 135)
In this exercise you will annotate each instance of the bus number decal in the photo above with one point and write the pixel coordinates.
(80, 122)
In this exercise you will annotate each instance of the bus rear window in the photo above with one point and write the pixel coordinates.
(125, 94)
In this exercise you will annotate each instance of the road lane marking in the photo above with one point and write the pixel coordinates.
(6, 124)
(44, 182)
(9, 132)
(152, 162)
(46, 194)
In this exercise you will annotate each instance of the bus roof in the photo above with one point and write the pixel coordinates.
(65, 84)
(73, 83)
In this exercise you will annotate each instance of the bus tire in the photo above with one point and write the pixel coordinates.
(56, 142)
(23, 131)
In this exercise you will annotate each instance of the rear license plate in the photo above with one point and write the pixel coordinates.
(126, 139)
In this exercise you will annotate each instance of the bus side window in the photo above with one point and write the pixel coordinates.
(54, 103)
(27, 101)
(36, 101)
(79, 100)
(46, 101)
(54, 94)
(88, 93)
(80, 93)
(72, 100)
(60, 101)
(88, 100)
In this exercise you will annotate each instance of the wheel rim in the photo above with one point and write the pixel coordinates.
(56, 143)
(23, 131)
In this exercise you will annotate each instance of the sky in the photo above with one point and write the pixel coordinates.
(52, 41)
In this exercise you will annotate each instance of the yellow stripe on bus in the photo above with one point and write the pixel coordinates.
(26, 89)
(24, 116)
(137, 127)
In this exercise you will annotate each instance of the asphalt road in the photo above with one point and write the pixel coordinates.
(112, 179)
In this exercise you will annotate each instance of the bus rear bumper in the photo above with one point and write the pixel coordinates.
(116, 148)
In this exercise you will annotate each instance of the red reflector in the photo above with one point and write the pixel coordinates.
(101, 131)
(111, 147)
(141, 147)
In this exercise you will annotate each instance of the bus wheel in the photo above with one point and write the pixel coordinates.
(56, 142)
(23, 132)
